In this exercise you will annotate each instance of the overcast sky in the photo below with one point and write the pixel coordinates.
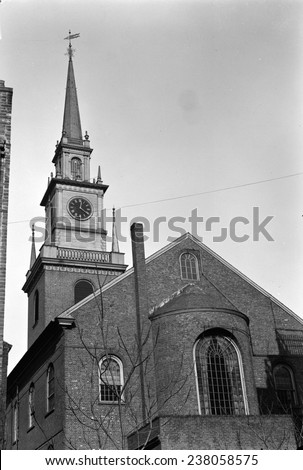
(179, 98)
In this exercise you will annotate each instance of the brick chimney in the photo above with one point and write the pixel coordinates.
(137, 237)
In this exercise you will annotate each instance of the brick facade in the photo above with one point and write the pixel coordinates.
(158, 363)
(47, 428)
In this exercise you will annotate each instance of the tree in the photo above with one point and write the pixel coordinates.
(118, 400)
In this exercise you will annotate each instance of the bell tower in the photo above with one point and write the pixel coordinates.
(73, 261)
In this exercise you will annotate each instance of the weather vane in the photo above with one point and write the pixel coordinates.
(70, 50)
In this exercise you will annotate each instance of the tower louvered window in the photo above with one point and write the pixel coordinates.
(76, 171)
(189, 267)
(220, 389)
(110, 379)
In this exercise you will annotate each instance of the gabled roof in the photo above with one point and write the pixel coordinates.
(165, 249)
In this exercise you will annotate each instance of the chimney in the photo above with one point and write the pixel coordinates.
(137, 237)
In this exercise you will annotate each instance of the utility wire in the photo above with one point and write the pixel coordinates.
(211, 191)
(227, 188)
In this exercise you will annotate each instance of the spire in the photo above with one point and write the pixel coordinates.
(33, 250)
(99, 179)
(71, 120)
(115, 243)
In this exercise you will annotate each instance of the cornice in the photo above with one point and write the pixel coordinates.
(65, 147)
(208, 310)
(62, 265)
(67, 182)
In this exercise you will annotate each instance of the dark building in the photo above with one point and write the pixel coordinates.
(6, 95)
(181, 351)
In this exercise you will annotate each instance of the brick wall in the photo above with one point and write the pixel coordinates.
(225, 432)
(174, 334)
(108, 325)
(5, 143)
(48, 428)
(56, 293)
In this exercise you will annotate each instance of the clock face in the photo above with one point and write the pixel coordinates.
(80, 208)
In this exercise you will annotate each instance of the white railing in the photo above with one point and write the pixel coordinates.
(84, 255)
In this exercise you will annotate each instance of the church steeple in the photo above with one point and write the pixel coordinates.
(74, 248)
(71, 121)
(72, 155)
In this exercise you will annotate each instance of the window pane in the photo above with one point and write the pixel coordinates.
(219, 378)
(110, 380)
(285, 390)
(188, 265)
(283, 379)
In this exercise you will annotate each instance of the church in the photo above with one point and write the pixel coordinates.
(179, 351)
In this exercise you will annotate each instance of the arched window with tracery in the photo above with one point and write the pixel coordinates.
(76, 170)
(219, 373)
(110, 379)
(189, 267)
(285, 388)
(82, 289)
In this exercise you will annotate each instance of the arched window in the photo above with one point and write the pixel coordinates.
(82, 290)
(189, 267)
(285, 388)
(31, 405)
(110, 379)
(76, 168)
(219, 373)
(50, 388)
(36, 307)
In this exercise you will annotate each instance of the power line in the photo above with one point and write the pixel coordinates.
(227, 188)
(211, 191)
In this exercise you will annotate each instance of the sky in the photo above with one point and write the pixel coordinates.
(192, 107)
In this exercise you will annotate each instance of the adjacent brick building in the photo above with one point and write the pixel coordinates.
(6, 95)
(181, 351)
